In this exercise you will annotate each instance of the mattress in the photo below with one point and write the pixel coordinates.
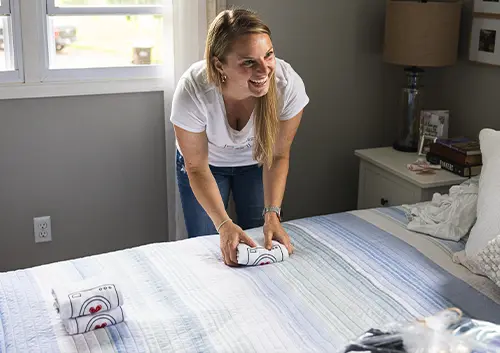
(350, 272)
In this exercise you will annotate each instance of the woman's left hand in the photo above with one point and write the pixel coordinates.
(273, 230)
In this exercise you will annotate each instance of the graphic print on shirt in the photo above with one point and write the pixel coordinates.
(101, 321)
(248, 144)
(93, 300)
(261, 256)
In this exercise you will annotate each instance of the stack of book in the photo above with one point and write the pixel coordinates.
(460, 155)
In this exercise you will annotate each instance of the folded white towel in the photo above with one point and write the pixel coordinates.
(248, 256)
(88, 323)
(86, 297)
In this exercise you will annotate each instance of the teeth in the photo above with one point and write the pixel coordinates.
(260, 82)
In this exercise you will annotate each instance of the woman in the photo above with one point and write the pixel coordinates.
(235, 115)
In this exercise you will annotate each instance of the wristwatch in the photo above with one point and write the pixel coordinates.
(275, 209)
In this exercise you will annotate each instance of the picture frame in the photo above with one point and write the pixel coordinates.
(433, 124)
(484, 44)
(487, 6)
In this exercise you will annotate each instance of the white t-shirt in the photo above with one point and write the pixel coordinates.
(198, 106)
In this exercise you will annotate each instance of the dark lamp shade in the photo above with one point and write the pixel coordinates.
(422, 34)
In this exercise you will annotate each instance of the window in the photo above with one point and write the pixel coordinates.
(9, 43)
(72, 47)
(103, 38)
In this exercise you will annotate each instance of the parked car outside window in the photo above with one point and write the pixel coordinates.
(64, 35)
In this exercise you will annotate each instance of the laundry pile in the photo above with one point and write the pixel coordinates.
(447, 216)
(88, 305)
(447, 331)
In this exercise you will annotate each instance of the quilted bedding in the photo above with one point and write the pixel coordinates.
(350, 272)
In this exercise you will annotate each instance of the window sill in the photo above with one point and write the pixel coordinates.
(79, 88)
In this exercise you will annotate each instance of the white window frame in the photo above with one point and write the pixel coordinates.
(52, 9)
(89, 74)
(12, 42)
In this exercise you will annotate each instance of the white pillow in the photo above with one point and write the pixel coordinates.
(488, 260)
(487, 225)
(474, 265)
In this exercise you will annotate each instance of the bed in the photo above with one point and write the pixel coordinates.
(350, 272)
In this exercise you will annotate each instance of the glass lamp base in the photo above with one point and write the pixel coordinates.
(409, 122)
(404, 148)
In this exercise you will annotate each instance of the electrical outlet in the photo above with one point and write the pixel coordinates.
(43, 229)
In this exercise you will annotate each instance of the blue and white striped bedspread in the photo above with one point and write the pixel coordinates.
(350, 272)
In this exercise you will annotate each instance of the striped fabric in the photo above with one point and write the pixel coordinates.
(350, 272)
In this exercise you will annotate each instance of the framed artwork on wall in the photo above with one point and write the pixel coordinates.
(484, 46)
(487, 6)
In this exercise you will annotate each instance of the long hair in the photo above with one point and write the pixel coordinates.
(224, 29)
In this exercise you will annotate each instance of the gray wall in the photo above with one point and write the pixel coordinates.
(469, 90)
(336, 47)
(95, 164)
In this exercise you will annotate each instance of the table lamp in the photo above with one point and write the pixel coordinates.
(418, 35)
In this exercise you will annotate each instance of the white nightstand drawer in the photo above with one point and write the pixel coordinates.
(378, 188)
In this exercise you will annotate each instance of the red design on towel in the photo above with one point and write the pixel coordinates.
(95, 310)
(100, 326)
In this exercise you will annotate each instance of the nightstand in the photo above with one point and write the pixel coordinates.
(384, 179)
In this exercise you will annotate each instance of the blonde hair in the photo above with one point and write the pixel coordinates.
(223, 31)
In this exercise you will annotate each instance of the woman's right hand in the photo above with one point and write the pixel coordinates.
(230, 236)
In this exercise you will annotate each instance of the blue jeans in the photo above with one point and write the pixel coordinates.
(247, 189)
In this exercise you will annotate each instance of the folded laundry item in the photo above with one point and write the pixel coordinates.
(248, 256)
(88, 323)
(86, 297)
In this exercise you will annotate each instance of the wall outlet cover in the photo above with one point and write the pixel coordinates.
(43, 229)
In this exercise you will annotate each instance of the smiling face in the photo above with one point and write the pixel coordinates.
(248, 67)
